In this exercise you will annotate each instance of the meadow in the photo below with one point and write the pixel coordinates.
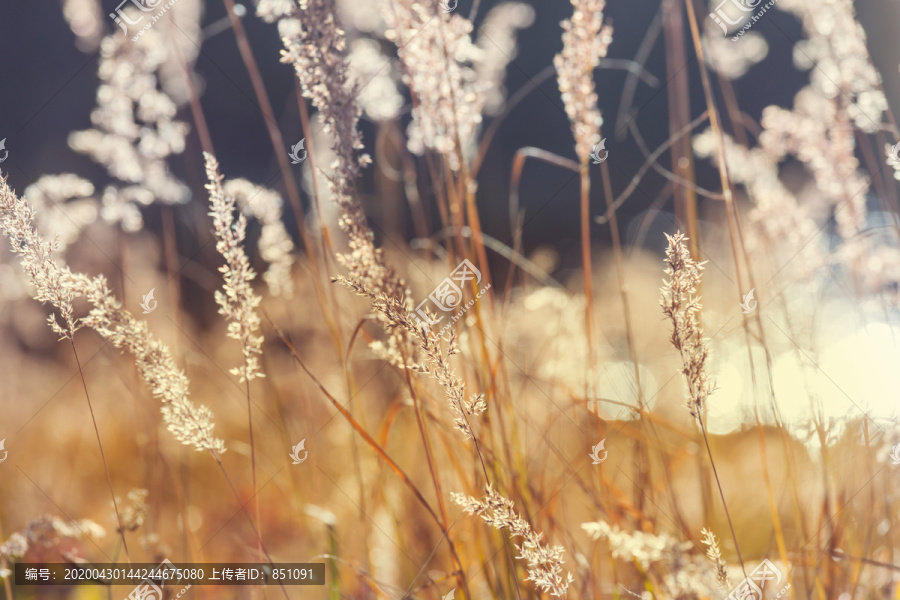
(655, 357)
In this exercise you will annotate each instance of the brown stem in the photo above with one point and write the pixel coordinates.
(679, 115)
(278, 145)
(171, 251)
(99, 443)
(587, 273)
(252, 456)
(244, 510)
(330, 321)
(378, 450)
(737, 548)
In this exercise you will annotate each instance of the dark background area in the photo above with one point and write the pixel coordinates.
(49, 90)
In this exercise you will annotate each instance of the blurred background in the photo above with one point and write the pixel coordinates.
(831, 379)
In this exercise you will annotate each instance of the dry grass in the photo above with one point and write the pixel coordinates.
(461, 461)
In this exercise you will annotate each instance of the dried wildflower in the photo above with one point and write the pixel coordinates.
(134, 512)
(819, 133)
(273, 10)
(85, 18)
(314, 45)
(497, 44)
(379, 97)
(237, 300)
(544, 562)
(645, 548)
(682, 576)
(836, 54)
(65, 205)
(192, 426)
(729, 58)
(397, 316)
(52, 284)
(58, 285)
(714, 554)
(681, 306)
(15, 546)
(777, 217)
(585, 41)
(134, 128)
(48, 531)
(275, 244)
(438, 57)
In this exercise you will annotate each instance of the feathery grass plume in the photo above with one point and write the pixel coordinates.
(714, 554)
(86, 20)
(434, 363)
(134, 129)
(585, 41)
(42, 533)
(438, 57)
(777, 218)
(314, 45)
(645, 548)
(64, 205)
(58, 285)
(820, 133)
(237, 301)
(728, 58)
(47, 531)
(837, 57)
(275, 244)
(134, 512)
(681, 306)
(191, 425)
(544, 562)
(844, 95)
(379, 97)
(16, 545)
(51, 283)
(498, 47)
(680, 575)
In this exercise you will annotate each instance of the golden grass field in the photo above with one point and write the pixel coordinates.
(651, 411)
